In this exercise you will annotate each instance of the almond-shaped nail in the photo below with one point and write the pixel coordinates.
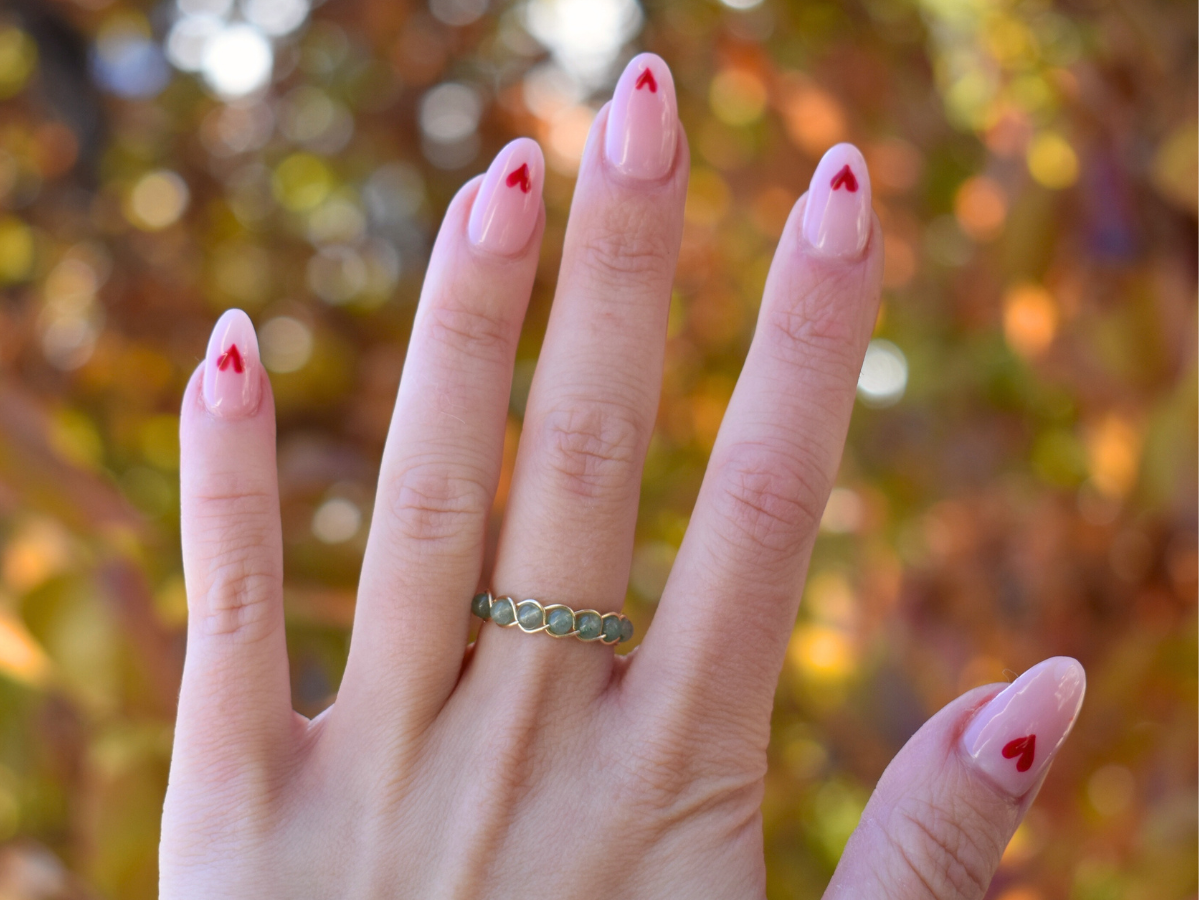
(1016, 735)
(837, 214)
(506, 207)
(643, 121)
(232, 384)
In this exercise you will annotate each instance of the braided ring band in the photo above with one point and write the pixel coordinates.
(555, 619)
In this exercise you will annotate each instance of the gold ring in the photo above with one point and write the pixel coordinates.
(554, 619)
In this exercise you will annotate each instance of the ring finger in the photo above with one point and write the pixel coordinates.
(568, 531)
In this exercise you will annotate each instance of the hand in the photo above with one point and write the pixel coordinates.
(534, 767)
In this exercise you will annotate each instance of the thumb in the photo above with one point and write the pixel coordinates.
(946, 807)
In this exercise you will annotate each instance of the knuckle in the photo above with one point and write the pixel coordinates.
(592, 450)
(769, 496)
(220, 513)
(948, 846)
(474, 332)
(817, 334)
(199, 827)
(432, 504)
(241, 592)
(232, 534)
(666, 775)
(626, 245)
(656, 764)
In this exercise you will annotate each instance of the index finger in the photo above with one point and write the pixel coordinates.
(722, 627)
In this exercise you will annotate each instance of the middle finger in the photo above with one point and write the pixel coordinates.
(568, 532)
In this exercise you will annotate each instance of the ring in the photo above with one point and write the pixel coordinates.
(555, 620)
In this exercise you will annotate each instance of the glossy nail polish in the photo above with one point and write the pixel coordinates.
(1015, 736)
(643, 121)
(837, 214)
(506, 207)
(232, 385)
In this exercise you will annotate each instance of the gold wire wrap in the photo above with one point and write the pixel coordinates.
(624, 633)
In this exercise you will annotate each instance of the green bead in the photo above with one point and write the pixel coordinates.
(611, 628)
(560, 621)
(502, 611)
(479, 606)
(626, 630)
(588, 625)
(530, 615)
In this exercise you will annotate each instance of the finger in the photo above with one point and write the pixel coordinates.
(568, 529)
(948, 804)
(722, 626)
(443, 455)
(234, 703)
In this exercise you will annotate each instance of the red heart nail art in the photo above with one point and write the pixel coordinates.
(845, 178)
(1022, 747)
(520, 177)
(646, 79)
(231, 356)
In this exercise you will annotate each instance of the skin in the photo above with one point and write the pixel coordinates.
(522, 765)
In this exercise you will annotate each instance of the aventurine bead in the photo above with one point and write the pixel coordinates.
(502, 611)
(612, 628)
(626, 630)
(529, 614)
(588, 625)
(479, 606)
(560, 621)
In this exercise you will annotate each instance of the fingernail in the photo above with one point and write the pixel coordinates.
(643, 120)
(837, 214)
(1015, 736)
(506, 207)
(232, 380)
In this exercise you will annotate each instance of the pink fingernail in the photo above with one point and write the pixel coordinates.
(837, 214)
(1015, 736)
(643, 120)
(506, 207)
(232, 380)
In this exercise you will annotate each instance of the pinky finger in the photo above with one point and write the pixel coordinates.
(234, 704)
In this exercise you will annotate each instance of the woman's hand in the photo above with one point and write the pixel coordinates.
(534, 767)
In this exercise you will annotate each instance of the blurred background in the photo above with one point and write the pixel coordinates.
(1021, 474)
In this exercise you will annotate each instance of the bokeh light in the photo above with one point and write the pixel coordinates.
(449, 119)
(336, 521)
(1052, 161)
(458, 12)
(844, 512)
(884, 374)
(126, 61)
(981, 207)
(737, 96)
(585, 37)
(188, 40)
(157, 200)
(286, 344)
(1019, 479)
(275, 17)
(1111, 790)
(301, 182)
(237, 61)
(18, 57)
(1030, 319)
(821, 653)
(16, 249)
